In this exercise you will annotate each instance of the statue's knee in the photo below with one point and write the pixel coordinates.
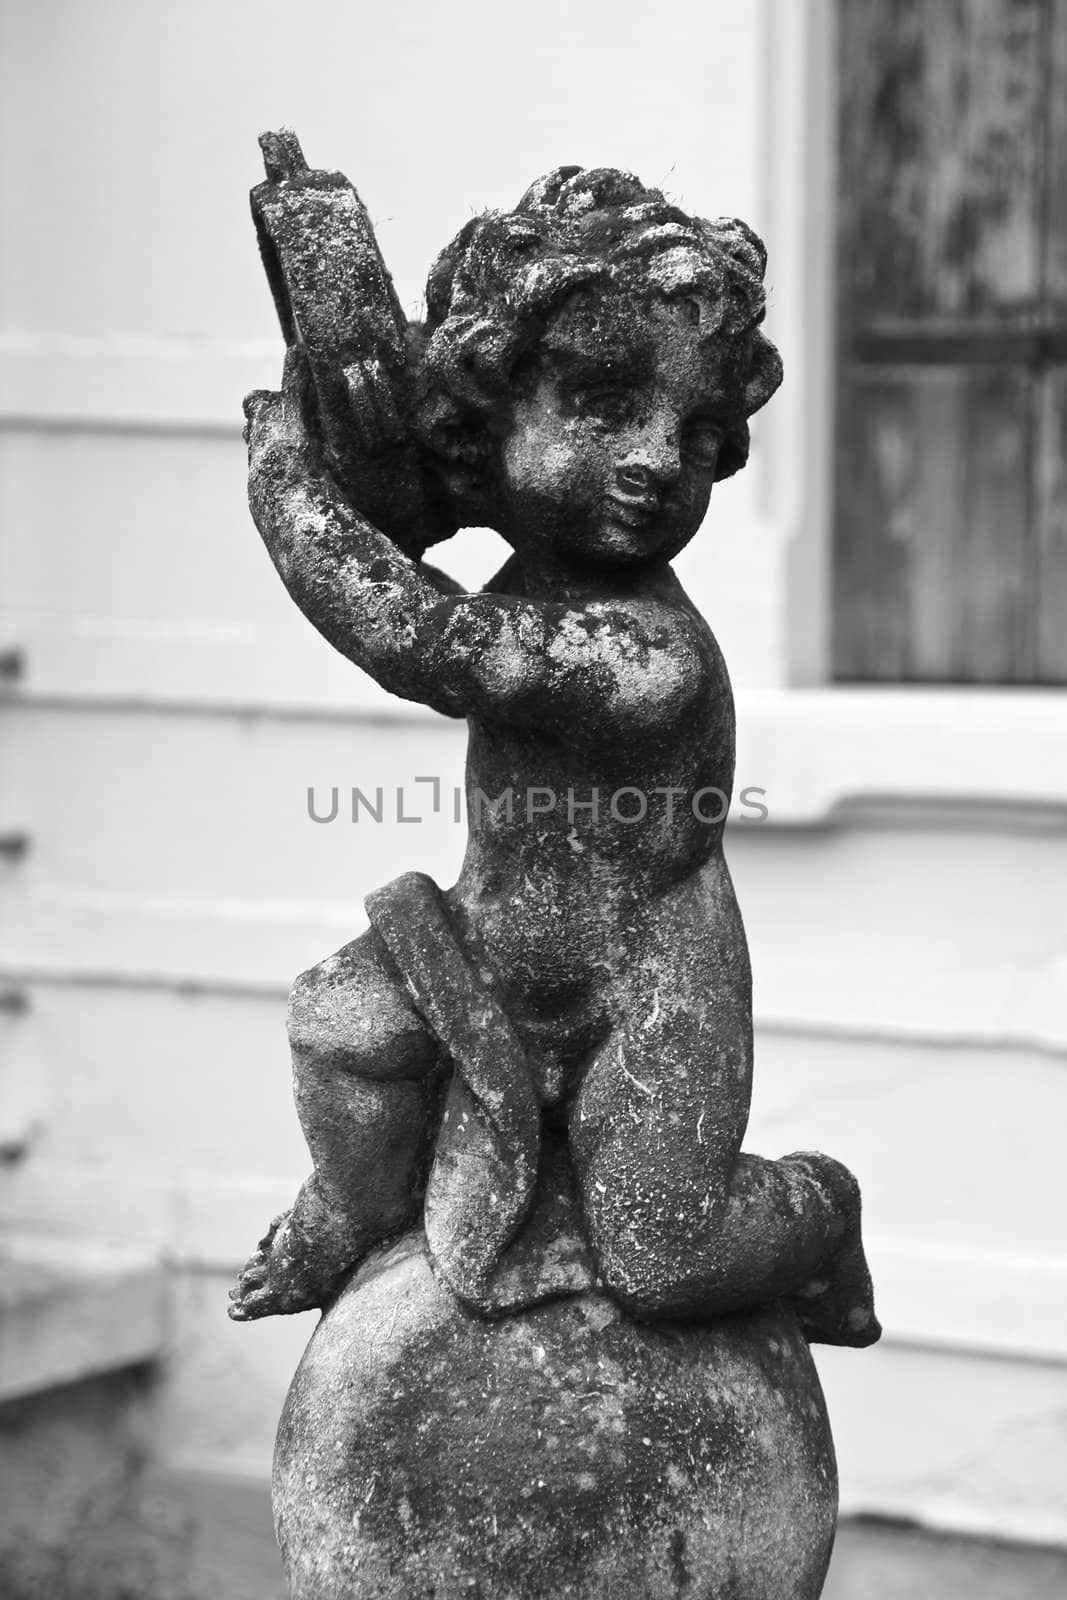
(627, 1262)
(312, 1021)
(652, 1241)
(630, 1275)
(350, 1012)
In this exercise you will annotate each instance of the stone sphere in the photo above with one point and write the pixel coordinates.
(427, 1454)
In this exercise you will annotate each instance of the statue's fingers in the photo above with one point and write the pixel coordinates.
(277, 442)
(253, 405)
(262, 409)
(252, 402)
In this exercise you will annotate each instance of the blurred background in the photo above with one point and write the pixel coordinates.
(888, 580)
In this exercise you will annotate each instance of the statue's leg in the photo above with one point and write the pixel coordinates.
(367, 1083)
(683, 1224)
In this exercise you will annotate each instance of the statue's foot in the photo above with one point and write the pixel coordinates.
(285, 1275)
(836, 1305)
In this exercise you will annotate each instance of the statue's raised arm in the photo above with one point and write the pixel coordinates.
(387, 437)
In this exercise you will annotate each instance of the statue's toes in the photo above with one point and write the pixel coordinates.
(268, 1238)
(252, 1275)
(254, 1297)
(244, 1308)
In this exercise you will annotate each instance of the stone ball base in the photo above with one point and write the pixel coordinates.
(426, 1454)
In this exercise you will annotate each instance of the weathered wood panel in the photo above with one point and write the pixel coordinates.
(994, 565)
(941, 172)
(1055, 150)
(876, 449)
(936, 550)
(948, 558)
(1051, 497)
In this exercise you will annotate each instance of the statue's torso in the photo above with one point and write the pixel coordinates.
(581, 839)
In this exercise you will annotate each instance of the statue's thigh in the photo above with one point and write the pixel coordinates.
(664, 1101)
(352, 1012)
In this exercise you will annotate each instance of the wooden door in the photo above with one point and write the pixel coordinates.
(950, 539)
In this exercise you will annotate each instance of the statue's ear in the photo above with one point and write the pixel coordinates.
(459, 451)
(764, 376)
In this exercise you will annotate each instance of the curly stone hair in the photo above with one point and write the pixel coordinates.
(492, 291)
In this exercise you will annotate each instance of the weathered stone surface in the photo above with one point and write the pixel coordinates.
(583, 378)
(590, 1377)
(336, 299)
(425, 1452)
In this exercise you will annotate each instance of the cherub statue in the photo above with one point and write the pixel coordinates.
(551, 1061)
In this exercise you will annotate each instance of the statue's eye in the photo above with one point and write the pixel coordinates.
(702, 440)
(606, 402)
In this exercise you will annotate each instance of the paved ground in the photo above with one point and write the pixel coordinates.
(204, 1538)
(237, 1558)
(884, 1561)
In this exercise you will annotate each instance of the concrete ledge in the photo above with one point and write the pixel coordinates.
(73, 1308)
(891, 1561)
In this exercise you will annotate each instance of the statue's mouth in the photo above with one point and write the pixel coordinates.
(634, 511)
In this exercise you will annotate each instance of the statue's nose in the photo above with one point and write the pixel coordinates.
(635, 478)
(653, 462)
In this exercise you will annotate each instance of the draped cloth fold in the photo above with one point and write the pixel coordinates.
(485, 1170)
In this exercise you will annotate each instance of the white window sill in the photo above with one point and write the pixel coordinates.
(823, 755)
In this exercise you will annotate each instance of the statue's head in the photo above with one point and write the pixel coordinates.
(596, 319)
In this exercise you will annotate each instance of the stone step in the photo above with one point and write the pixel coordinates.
(876, 1560)
(73, 1308)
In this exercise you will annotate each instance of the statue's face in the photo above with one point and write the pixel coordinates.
(616, 432)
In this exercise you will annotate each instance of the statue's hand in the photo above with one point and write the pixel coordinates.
(294, 494)
(281, 438)
(289, 485)
(287, 448)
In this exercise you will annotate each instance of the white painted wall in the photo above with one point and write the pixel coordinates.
(904, 900)
(131, 291)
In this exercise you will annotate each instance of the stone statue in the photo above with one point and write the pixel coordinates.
(564, 1348)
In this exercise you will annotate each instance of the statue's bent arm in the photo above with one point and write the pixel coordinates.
(408, 627)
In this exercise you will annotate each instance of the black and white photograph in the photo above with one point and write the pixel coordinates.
(533, 800)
